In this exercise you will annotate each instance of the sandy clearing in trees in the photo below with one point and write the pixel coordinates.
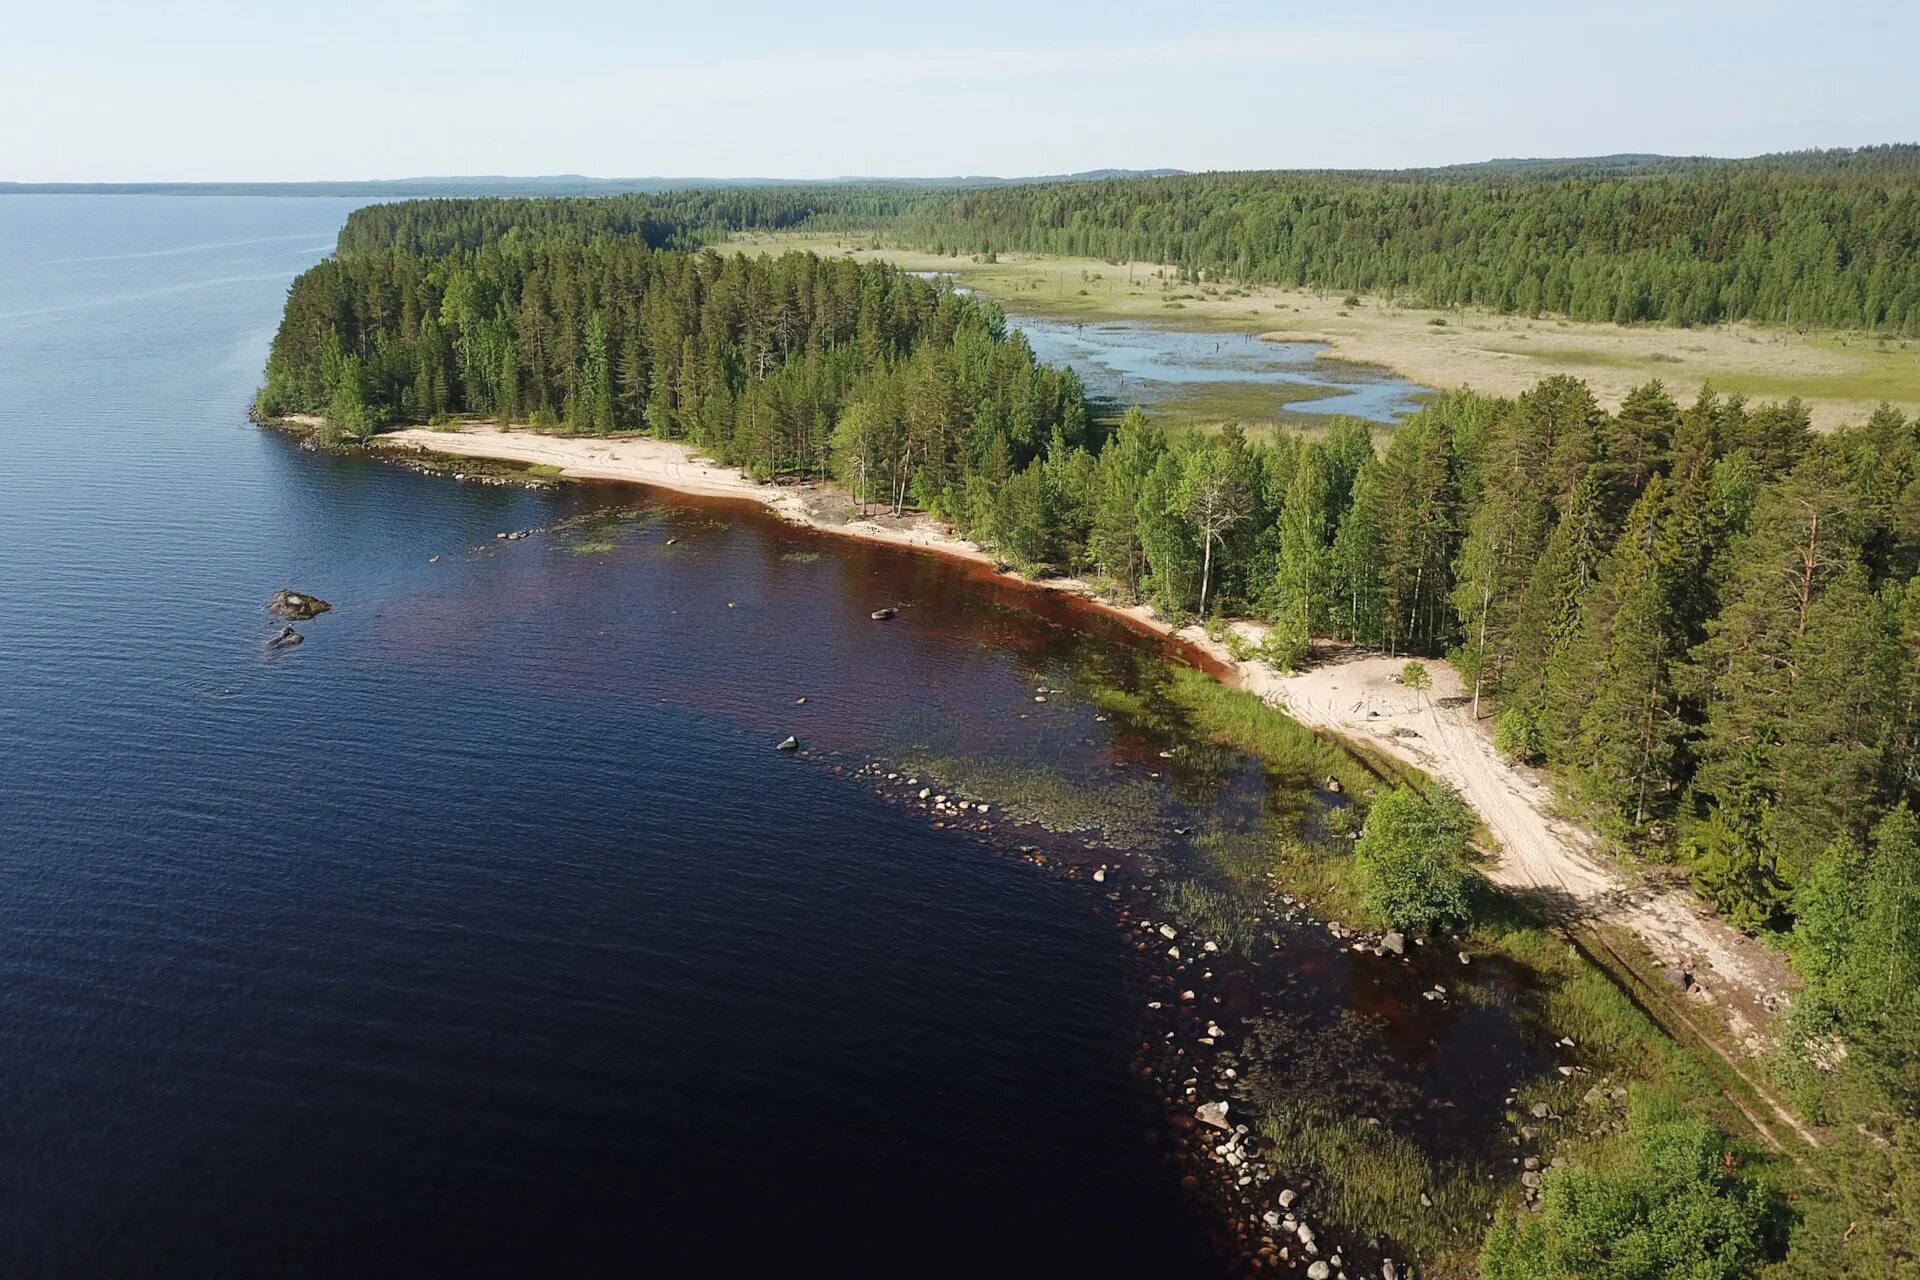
(1842, 377)
(1359, 698)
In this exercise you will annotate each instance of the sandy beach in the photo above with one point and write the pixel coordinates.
(1357, 698)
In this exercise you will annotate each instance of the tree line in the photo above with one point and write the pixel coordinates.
(1823, 246)
(1825, 239)
(783, 366)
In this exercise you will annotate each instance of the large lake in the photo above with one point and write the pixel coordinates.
(485, 932)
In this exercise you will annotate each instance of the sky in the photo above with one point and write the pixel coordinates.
(270, 90)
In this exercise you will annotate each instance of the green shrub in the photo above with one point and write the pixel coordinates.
(1517, 736)
(1411, 860)
(1667, 1201)
(1284, 648)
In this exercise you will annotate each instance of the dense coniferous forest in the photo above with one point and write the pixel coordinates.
(1704, 617)
(1826, 239)
(771, 363)
(1831, 242)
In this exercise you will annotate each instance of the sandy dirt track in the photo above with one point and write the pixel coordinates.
(1536, 852)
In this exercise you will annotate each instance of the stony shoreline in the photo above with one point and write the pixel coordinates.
(1259, 1214)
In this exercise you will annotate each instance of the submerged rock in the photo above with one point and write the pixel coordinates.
(788, 743)
(287, 638)
(296, 606)
(881, 615)
(1213, 1113)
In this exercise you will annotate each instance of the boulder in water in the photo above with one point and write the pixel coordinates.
(788, 743)
(881, 615)
(296, 606)
(287, 638)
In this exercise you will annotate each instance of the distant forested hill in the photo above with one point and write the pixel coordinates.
(1828, 239)
(565, 184)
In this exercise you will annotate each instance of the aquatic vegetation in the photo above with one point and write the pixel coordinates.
(1236, 920)
(1337, 1107)
(1282, 744)
(1128, 814)
(592, 548)
(610, 518)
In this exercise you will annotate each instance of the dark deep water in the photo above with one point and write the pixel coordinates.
(485, 933)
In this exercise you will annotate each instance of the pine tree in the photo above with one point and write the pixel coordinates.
(1505, 538)
(1418, 523)
(1743, 670)
(1904, 749)
(1169, 542)
(1303, 588)
(1731, 854)
(1839, 715)
(1637, 440)
(1114, 539)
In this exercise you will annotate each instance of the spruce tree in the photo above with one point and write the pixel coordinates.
(1355, 561)
(1548, 615)
(1614, 687)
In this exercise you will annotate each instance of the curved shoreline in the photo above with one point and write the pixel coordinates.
(1357, 701)
(682, 469)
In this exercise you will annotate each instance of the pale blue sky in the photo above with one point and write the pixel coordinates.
(257, 90)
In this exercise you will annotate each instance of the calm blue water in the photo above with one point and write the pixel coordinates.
(485, 933)
(1137, 362)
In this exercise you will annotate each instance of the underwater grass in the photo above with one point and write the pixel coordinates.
(1369, 1179)
(1128, 814)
